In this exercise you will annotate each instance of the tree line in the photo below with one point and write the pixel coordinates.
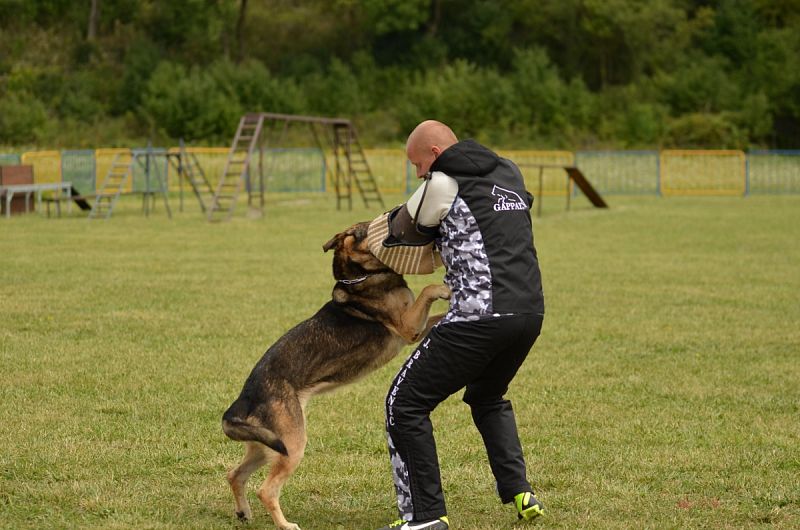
(622, 74)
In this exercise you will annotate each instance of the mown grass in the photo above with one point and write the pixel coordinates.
(663, 392)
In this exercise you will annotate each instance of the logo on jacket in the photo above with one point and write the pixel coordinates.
(507, 200)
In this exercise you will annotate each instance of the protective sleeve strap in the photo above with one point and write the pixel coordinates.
(439, 196)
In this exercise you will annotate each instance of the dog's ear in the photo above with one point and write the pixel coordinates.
(358, 231)
(334, 241)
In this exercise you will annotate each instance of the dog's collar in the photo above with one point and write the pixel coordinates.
(354, 280)
(361, 279)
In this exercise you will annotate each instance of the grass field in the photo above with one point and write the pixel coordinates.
(663, 393)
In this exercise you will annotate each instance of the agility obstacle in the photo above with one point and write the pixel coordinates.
(257, 131)
(574, 177)
(142, 172)
(120, 178)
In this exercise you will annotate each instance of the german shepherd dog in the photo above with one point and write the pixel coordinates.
(371, 317)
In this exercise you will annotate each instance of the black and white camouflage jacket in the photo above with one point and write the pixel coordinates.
(478, 202)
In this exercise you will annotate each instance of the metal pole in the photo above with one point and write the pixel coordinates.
(337, 176)
(180, 173)
(348, 152)
(569, 191)
(539, 206)
(146, 179)
(658, 174)
(261, 177)
(746, 175)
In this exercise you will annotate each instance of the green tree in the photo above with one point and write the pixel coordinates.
(547, 72)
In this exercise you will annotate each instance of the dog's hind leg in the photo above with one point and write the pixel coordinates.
(293, 434)
(255, 456)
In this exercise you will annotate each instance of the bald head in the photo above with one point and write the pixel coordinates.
(426, 142)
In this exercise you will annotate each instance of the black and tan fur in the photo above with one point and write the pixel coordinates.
(367, 323)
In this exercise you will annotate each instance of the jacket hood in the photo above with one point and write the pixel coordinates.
(466, 158)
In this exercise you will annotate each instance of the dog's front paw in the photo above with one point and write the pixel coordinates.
(438, 291)
(290, 526)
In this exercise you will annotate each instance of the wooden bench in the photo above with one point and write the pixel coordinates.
(82, 200)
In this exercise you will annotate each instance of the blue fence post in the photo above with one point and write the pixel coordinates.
(658, 173)
(746, 174)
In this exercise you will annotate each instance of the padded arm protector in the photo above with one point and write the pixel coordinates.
(404, 231)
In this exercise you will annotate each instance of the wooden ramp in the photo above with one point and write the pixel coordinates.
(572, 174)
(585, 186)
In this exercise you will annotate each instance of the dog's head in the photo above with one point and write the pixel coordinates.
(352, 258)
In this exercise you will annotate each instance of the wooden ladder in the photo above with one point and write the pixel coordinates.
(358, 172)
(237, 169)
(120, 172)
(190, 169)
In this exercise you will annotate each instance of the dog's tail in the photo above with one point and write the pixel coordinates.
(243, 431)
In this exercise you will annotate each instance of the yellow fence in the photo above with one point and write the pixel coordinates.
(211, 159)
(389, 168)
(703, 172)
(678, 172)
(392, 172)
(46, 165)
(536, 165)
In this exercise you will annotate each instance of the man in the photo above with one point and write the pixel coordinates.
(476, 209)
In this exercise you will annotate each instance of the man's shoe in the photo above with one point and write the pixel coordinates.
(437, 524)
(528, 506)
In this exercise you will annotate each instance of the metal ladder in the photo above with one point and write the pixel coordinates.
(190, 169)
(345, 142)
(119, 173)
(236, 169)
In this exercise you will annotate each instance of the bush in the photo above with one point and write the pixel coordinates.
(337, 92)
(701, 130)
(141, 60)
(700, 85)
(755, 117)
(539, 91)
(642, 124)
(81, 96)
(629, 118)
(474, 102)
(255, 89)
(21, 118)
(189, 104)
